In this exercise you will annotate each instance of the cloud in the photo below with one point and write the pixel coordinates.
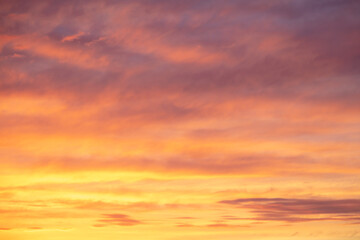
(117, 219)
(35, 228)
(225, 225)
(5, 229)
(212, 225)
(191, 163)
(299, 210)
(210, 94)
(72, 37)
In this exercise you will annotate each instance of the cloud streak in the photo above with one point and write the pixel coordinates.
(299, 210)
(117, 219)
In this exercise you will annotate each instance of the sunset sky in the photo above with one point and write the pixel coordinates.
(180, 119)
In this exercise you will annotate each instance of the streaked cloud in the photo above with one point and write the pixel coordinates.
(117, 219)
(298, 210)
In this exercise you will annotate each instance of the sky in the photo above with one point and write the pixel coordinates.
(180, 119)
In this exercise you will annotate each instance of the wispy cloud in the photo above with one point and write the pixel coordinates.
(117, 219)
(299, 210)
